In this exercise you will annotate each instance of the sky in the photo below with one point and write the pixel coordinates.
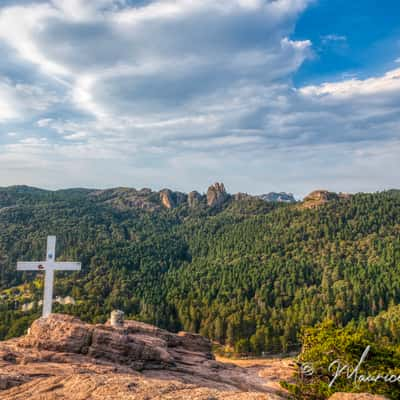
(263, 95)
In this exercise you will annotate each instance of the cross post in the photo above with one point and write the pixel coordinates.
(49, 266)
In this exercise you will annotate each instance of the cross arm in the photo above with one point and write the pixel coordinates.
(31, 266)
(67, 266)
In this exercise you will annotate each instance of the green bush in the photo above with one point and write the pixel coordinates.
(328, 345)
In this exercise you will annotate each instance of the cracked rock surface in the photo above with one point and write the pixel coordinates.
(62, 357)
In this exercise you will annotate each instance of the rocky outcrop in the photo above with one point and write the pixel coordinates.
(242, 196)
(281, 197)
(127, 198)
(170, 199)
(135, 344)
(321, 197)
(166, 199)
(146, 199)
(62, 357)
(216, 195)
(194, 199)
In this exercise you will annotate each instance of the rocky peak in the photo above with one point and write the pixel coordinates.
(170, 199)
(216, 194)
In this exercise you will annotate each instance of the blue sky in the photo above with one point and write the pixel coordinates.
(349, 38)
(283, 95)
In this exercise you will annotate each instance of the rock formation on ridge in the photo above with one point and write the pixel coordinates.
(321, 197)
(242, 196)
(170, 199)
(194, 199)
(216, 195)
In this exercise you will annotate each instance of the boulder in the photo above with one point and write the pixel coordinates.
(60, 333)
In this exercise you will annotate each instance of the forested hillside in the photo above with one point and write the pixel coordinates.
(244, 272)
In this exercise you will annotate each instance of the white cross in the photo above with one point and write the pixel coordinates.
(49, 266)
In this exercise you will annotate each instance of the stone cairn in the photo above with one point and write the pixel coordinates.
(117, 318)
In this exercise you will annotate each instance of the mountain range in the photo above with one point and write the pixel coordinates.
(147, 199)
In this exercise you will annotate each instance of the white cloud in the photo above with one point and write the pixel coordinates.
(333, 38)
(18, 99)
(387, 83)
(44, 122)
(128, 58)
(19, 27)
(83, 10)
(8, 101)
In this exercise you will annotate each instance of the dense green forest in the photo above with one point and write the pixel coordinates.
(246, 273)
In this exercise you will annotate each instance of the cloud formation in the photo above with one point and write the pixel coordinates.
(178, 92)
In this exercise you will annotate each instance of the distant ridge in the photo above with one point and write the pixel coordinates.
(216, 196)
